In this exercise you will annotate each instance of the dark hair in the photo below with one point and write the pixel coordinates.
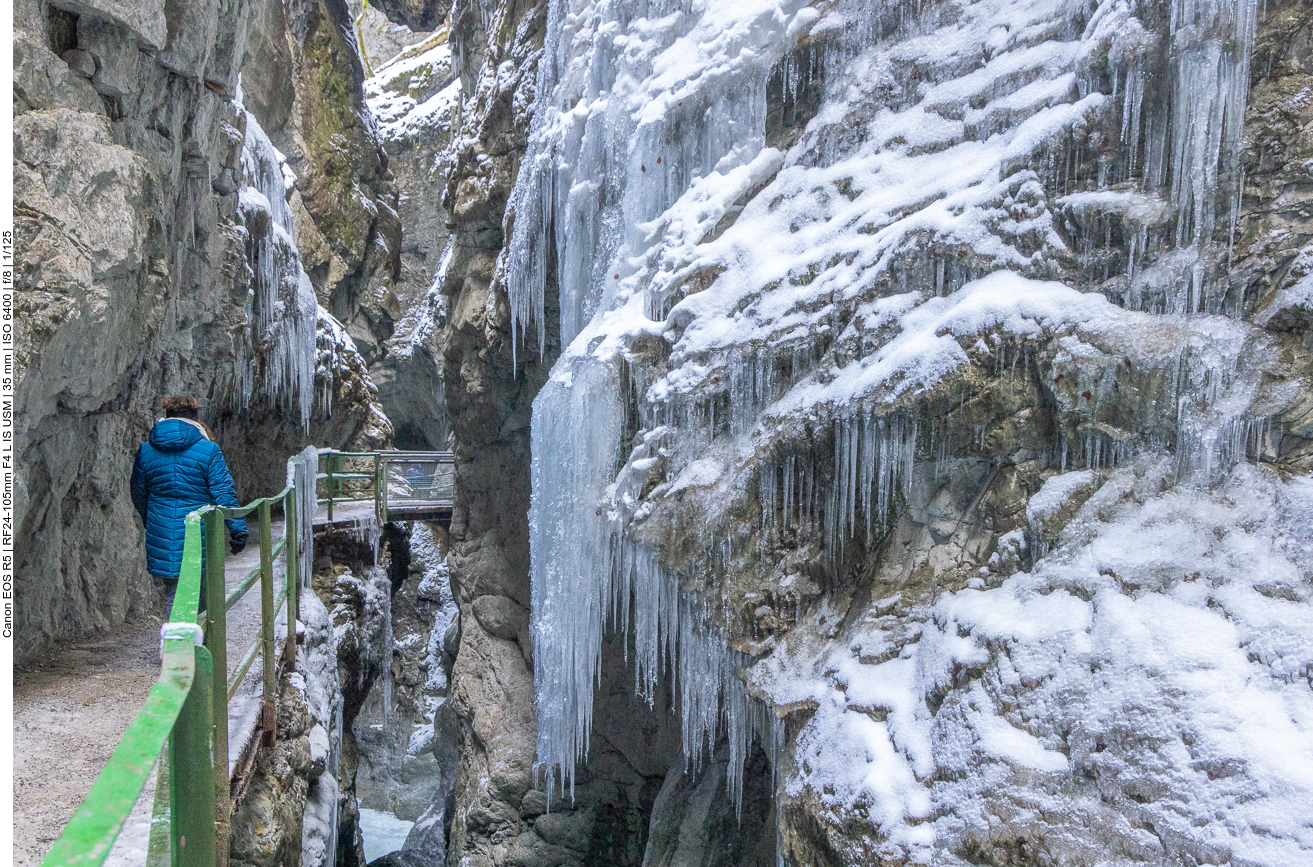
(181, 406)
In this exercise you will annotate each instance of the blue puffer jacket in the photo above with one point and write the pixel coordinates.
(177, 471)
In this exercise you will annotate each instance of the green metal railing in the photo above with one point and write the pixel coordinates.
(344, 485)
(396, 481)
(188, 706)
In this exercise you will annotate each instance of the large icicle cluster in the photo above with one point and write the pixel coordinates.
(791, 330)
(593, 179)
(586, 576)
(281, 366)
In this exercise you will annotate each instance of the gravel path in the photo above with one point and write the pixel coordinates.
(69, 714)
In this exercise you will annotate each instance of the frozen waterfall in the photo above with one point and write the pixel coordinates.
(800, 301)
(281, 360)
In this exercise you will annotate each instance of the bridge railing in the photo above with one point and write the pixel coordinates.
(187, 708)
(394, 480)
(416, 481)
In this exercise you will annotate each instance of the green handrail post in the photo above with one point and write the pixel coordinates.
(191, 780)
(292, 551)
(378, 503)
(329, 482)
(268, 709)
(159, 843)
(216, 640)
(383, 491)
(338, 458)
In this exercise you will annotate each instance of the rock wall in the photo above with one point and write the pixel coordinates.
(128, 163)
(345, 200)
(500, 813)
(918, 357)
(414, 99)
(127, 149)
(492, 683)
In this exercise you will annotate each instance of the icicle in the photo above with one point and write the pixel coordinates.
(387, 647)
(1212, 41)
(285, 309)
(301, 473)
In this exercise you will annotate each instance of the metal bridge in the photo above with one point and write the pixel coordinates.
(207, 718)
(392, 485)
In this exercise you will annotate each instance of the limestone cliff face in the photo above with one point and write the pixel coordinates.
(127, 163)
(137, 273)
(345, 200)
(922, 364)
(492, 681)
(414, 98)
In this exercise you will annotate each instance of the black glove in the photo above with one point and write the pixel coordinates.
(237, 543)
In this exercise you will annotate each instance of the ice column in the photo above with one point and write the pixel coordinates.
(609, 152)
(285, 308)
(577, 425)
(301, 473)
(1211, 45)
(384, 586)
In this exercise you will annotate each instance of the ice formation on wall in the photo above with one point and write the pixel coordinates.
(587, 189)
(281, 364)
(1182, 699)
(302, 472)
(779, 321)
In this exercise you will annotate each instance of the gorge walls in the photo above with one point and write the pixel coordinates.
(887, 334)
(882, 430)
(127, 164)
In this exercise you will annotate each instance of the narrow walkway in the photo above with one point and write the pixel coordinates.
(71, 710)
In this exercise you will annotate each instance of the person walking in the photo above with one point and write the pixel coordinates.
(178, 470)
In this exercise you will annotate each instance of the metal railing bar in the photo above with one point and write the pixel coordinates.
(157, 847)
(188, 705)
(254, 651)
(267, 614)
(249, 658)
(216, 629)
(236, 594)
(90, 834)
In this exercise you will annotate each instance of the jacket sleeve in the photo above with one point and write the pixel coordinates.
(140, 487)
(223, 492)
